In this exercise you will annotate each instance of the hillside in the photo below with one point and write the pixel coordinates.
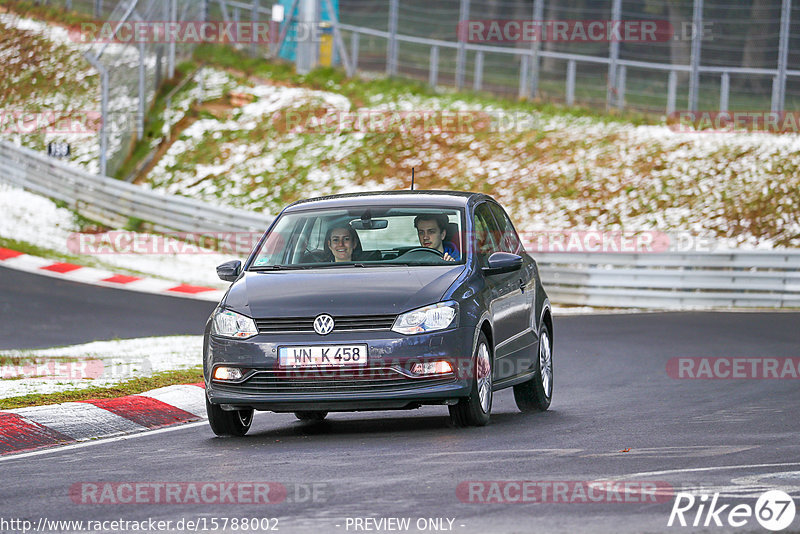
(254, 135)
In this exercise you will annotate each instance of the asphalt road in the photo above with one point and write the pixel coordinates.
(612, 394)
(40, 311)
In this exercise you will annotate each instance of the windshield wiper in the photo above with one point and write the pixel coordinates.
(277, 268)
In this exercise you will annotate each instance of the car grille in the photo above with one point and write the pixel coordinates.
(294, 325)
(333, 380)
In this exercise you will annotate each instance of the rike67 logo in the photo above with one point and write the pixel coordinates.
(774, 510)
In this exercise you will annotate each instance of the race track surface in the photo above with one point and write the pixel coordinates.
(617, 415)
(39, 311)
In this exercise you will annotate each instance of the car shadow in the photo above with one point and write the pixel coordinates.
(285, 426)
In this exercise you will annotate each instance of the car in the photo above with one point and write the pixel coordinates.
(380, 301)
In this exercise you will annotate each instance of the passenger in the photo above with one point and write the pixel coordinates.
(432, 230)
(340, 243)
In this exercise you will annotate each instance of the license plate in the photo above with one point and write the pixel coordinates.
(323, 356)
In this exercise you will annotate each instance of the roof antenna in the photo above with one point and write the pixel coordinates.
(412, 178)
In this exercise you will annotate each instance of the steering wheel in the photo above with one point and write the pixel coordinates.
(416, 249)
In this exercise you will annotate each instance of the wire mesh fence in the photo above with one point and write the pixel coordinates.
(715, 55)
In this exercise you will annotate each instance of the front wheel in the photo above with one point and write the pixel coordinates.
(225, 423)
(535, 394)
(476, 409)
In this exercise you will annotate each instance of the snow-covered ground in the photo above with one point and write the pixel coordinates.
(97, 364)
(38, 221)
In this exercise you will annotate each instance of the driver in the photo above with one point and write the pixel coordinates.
(431, 230)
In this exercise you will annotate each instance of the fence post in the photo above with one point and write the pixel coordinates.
(621, 86)
(142, 91)
(613, 55)
(391, 45)
(672, 91)
(724, 91)
(477, 79)
(69, 5)
(538, 15)
(173, 17)
(354, 50)
(571, 82)
(103, 110)
(461, 54)
(697, 38)
(236, 16)
(433, 70)
(523, 75)
(783, 55)
(98, 9)
(254, 9)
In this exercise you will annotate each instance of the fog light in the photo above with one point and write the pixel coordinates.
(227, 373)
(432, 368)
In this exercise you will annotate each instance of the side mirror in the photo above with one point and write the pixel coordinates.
(502, 262)
(230, 270)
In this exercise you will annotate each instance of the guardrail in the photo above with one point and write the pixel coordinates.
(722, 279)
(673, 280)
(116, 203)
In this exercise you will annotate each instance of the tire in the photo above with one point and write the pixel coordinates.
(311, 415)
(224, 423)
(476, 409)
(535, 394)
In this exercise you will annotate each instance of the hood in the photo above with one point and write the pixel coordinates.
(339, 291)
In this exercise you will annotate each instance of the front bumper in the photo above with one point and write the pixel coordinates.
(386, 382)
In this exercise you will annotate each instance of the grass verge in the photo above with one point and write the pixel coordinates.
(130, 387)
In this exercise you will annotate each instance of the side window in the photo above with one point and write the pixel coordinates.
(486, 233)
(509, 241)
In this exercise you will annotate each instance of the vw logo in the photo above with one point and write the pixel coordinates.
(323, 324)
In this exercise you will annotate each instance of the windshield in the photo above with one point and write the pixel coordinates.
(363, 237)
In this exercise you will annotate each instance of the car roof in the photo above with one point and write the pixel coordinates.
(457, 199)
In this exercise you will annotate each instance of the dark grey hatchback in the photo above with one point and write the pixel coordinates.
(380, 301)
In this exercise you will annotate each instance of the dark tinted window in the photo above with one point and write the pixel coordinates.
(509, 240)
(487, 234)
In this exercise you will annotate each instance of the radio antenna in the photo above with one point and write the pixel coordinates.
(412, 178)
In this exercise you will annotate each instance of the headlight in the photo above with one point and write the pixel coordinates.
(427, 319)
(231, 324)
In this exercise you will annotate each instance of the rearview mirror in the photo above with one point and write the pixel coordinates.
(230, 270)
(502, 262)
(370, 224)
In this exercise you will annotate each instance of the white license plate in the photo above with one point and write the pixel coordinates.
(323, 356)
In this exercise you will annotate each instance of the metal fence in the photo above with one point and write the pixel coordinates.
(722, 55)
(116, 203)
(732, 279)
(669, 280)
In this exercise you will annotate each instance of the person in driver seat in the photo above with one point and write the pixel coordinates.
(432, 231)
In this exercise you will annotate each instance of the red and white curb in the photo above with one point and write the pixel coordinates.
(37, 427)
(99, 277)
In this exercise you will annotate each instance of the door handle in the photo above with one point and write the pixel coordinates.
(522, 285)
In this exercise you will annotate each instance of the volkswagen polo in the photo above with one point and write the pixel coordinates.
(380, 301)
